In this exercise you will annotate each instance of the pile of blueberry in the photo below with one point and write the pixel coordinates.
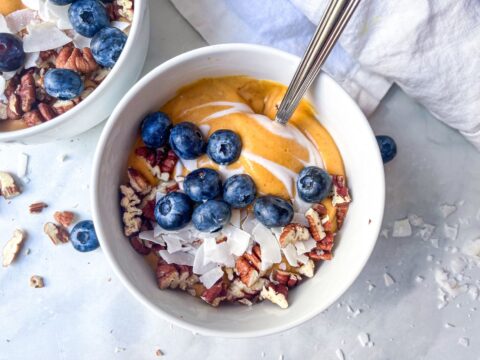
(88, 18)
(206, 201)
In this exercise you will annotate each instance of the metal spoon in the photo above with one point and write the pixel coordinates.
(332, 24)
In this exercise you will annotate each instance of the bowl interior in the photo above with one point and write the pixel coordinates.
(337, 112)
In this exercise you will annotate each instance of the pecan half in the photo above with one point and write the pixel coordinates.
(315, 224)
(36, 282)
(76, 60)
(65, 218)
(293, 233)
(37, 207)
(12, 247)
(47, 55)
(131, 216)
(8, 187)
(26, 91)
(58, 234)
(32, 118)
(138, 181)
(46, 111)
(341, 213)
(14, 108)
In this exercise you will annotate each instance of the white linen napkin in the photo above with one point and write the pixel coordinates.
(430, 48)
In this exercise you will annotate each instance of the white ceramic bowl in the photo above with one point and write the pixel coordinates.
(337, 112)
(99, 105)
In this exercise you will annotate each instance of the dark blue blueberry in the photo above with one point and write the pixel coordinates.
(63, 84)
(211, 216)
(239, 191)
(107, 45)
(203, 184)
(388, 147)
(83, 236)
(224, 147)
(313, 184)
(273, 211)
(156, 129)
(187, 141)
(62, 2)
(173, 211)
(88, 17)
(12, 55)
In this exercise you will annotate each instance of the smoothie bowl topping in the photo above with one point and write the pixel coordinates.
(54, 53)
(224, 203)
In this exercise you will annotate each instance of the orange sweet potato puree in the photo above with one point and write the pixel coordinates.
(9, 6)
(263, 97)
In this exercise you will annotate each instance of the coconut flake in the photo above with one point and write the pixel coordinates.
(81, 42)
(33, 4)
(18, 20)
(122, 25)
(211, 277)
(173, 243)
(22, 165)
(463, 341)
(178, 258)
(472, 249)
(250, 223)
(305, 246)
(363, 339)
(199, 265)
(268, 245)
(217, 253)
(389, 280)
(237, 240)
(290, 254)
(339, 354)
(3, 82)
(446, 210)
(31, 60)
(59, 14)
(402, 228)
(235, 218)
(450, 232)
(147, 235)
(415, 220)
(44, 36)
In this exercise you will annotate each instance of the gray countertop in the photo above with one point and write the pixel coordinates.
(415, 299)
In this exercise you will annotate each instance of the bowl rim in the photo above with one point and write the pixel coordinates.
(103, 234)
(15, 135)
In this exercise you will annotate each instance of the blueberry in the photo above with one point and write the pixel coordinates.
(88, 17)
(83, 236)
(12, 55)
(224, 147)
(313, 184)
(107, 45)
(211, 216)
(239, 191)
(173, 211)
(203, 184)
(273, 211)
(63, 84)
(156, 129)
(61, 2)
(388, 147)
(187, 141)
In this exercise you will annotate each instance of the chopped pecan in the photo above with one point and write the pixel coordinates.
(246, 271)
(98, 76)
(138, 181)
(86, 92)
(168, 164)
(320, 209)
(287, 278)
(326, 243)
(238, 290)
(167, 276)
(77, 60)
(33, 118)
(46, 111)
(13, 247)
(3, 111)
(14, 108)
(64, 218)
(317, 254)
(276, 293)
(340, 190)
(124, 8)
(293, 233)
(307, 269)
(216, 294)
(26, 91)
(37, 207)
(48, 55)
(12, 85)
(131, 216)
(341, 213)
(139, 246)
(315, 224)
(57, 233)
(36, 282)
(62, 106)
(8, 187)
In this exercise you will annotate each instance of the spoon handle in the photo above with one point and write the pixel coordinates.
(332, 24)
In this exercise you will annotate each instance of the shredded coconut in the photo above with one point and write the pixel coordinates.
(446, 210)
(402, 228)
(389, 280)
